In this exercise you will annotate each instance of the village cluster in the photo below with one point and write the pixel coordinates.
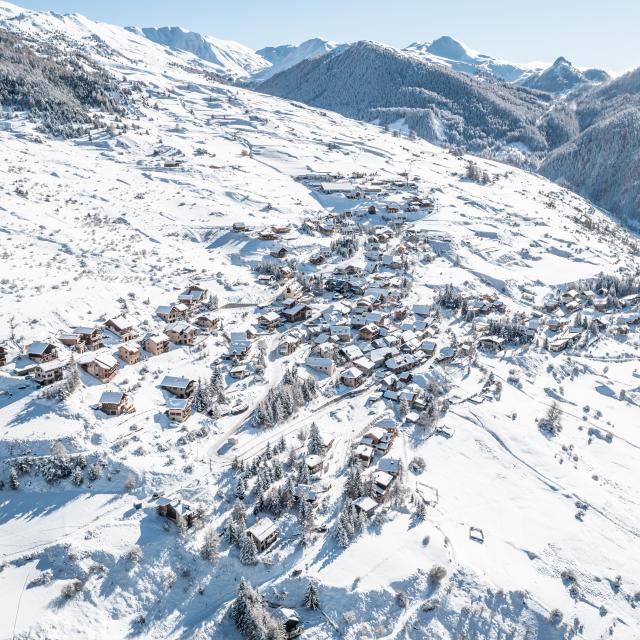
(346, 318)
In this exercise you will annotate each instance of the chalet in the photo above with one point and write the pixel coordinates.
(568, 296)
(280, 229)
(73, 341)
(122, 327)
(239, 344)
(240, 227)
(289, 620)
(3, 356)
(181, 332)
(179, 387)
(207, 321)
(115, 403)
(316, 259)
(447, 354)
(267, 235)
(381, 483)
(263, 533)
(490, 343)
(296, 313)
(288, 345)
(369, 332)
(42, 352)
(265, 279)
(351, 352)
(392, 466)
(178, 409)
(364, 454)
(365, 365)
(156, 344)
(365, 505)
(429, 347)
(269, 320)
(278, 251)
(240, 371)
(352, 377)
(556, 324)
(341, 332)
(48, 372)
(193, 295)
(103, 366)
(402, 362)
(129, 353)
(323, 365)
(558, 344)
(90, 336)
(177, 511)
(381, 354)
(314, 464)
(172, 312)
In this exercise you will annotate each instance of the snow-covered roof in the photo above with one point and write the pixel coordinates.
(121, 323)
(111, 397)
(38, 348)
(175, 382)
(319, 363)
(52, 365)
(365, 503)
(105, 360)
(262, 529)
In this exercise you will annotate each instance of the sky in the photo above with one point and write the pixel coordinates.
(590, 33)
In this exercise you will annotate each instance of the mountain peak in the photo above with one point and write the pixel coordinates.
(448, 47)
(561, 61)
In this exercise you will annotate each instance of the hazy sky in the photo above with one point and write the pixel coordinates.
(587, 32)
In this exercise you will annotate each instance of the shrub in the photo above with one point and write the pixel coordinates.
(437, 574)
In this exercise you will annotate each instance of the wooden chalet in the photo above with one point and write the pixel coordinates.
(156, 344)
(115, 403)
(103, 366)
(263, 533)
(90, 336)
(178, 386)
(172, 312)
(129, 353)
(181, 332)
(48, 372)
(122, 327)
(178, 409)
(42, 351)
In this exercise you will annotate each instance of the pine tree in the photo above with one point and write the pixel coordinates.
(310, 600)
(210, 545)
(240, 490)
(315, 445)
(238, 512)
(77, 477)
(421, 510)
(248, 551)
(14, 482)
(341, 537)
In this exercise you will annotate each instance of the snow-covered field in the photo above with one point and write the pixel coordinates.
(125, 219)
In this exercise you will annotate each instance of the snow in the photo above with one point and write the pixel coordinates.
(70, 260)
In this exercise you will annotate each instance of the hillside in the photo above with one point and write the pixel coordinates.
(465, 463)
(376, 83)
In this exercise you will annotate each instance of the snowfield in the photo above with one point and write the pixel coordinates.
(537, 534)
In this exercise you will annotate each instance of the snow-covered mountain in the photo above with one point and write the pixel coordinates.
(562, 77)
(377, 83)
(286, 56)
(455, 55)
(482, 481)
(231, 59)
